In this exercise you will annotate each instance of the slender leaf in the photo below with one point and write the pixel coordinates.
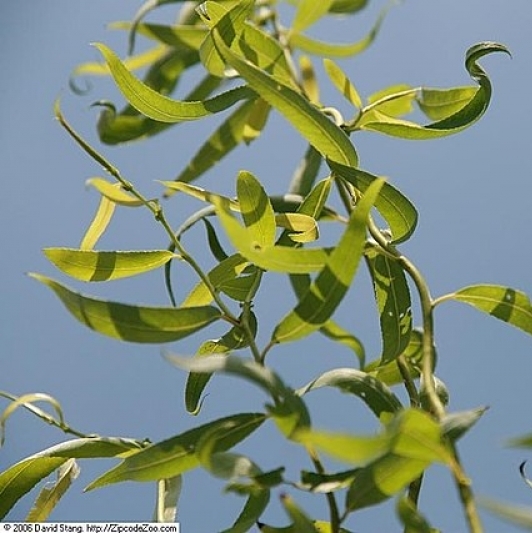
(308, 12)
(234, 339)
(306, 173)
(321, 48)
(302, 523)
(256, 209)
(393, 301)
(130, 322)
(504, 303)
(455, 425)
(87, 265)
(440, 103)
(99, 224)
(160, 107)
(20, 478)
(50, 495)
(114, 192)
(221, 142)
(342, 82)
(313, 125)
(348, 6)
(395, 208)
(371, 391)
(461, 118)
(333, 281)
(176, 455)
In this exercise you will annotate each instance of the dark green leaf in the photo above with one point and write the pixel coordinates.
(393, 301)
(371, 391)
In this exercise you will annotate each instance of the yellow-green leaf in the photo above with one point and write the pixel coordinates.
(131, 322)
(114, 193)
(160, 107)
(88, 265)
(331, 284)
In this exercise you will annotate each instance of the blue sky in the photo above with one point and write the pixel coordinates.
(472, 191)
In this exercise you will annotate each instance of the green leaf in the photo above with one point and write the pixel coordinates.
(130, 322)
(412, 520)
(114, 192)
(256, 209)
(348, 6)
(306, 173)
(342, 82)
(87, 265)
(333, 281)
(395, 101)
(160, 107)
(395, 208)
(177, 36)
(415, 443)
(345, 447)
(303, 228)
(20, 478)
(222, 141)
(274, 258)
(321, 48)
(302, 523)
(393, 301)
(504, 303)
(312, 124)
(50, 495)
(440, 103)
(234, 339)
(371, 391)
(457, 121)
(340, 335)
(308, 12)
(176, 455)
(389, 373)
(99, 224)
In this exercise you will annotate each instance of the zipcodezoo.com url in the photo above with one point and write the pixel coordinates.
(87, 527)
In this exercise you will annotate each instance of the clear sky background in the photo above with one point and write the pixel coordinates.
(473, 192)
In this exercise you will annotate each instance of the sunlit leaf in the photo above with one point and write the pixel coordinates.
(308, 80)
(440, 103)
(275, 258)
(395, 208)
(308, 12)
(504, 303)
(371, 391)
(326, 49)
(462, 118)
(50, 495)
(338, 334)
(256, 209)
(302, 523)
(114, 193)
(394, 101)
(313, 125)
(333, 281)
(393, 301)
(131, 322)
(99, 224)
(221, 142)
(347, 6)
(160, 107)
(20, 478)
(87, 265)
(342, 82)
(257, 119)
(176, 455)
